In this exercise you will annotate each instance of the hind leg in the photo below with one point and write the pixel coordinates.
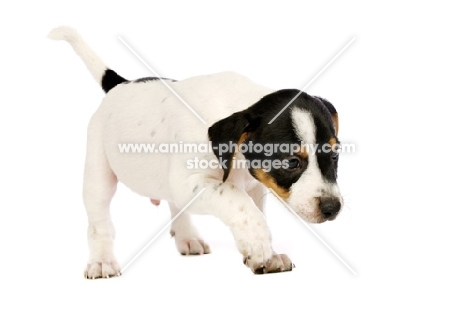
(187, 239)
(98, 189)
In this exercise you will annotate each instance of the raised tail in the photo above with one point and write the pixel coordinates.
(106, 77)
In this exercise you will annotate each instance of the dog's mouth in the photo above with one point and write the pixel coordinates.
(331, 218)
(322, 220)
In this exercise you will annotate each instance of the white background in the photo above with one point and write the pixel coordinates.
(400, 89)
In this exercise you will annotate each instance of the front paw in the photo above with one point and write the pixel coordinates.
(102, 269)
(277, 263)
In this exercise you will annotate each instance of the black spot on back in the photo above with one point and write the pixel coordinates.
(149, 79)
(110, 79)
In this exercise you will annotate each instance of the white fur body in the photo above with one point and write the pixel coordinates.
(148, 113)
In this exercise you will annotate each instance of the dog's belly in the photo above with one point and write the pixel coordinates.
(148, 116)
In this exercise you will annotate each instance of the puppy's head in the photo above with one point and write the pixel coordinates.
(296, 155)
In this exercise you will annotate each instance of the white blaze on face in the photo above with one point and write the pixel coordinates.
(311, 185)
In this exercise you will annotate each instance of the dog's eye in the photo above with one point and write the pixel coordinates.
(335, 156)
(336, 153)
(292, 164)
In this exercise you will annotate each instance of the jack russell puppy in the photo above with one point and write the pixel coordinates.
(258, 139)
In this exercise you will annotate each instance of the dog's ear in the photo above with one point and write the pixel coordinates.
(333, 112)
(228, 133)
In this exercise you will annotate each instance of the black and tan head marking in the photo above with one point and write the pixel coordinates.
(307, 120)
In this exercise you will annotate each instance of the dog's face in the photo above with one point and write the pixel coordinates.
(296, 155)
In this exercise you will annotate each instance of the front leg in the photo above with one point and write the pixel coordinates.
(238, 211)
(278, 262)
(253, 239)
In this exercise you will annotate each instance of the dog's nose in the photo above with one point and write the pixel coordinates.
(329, 207)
